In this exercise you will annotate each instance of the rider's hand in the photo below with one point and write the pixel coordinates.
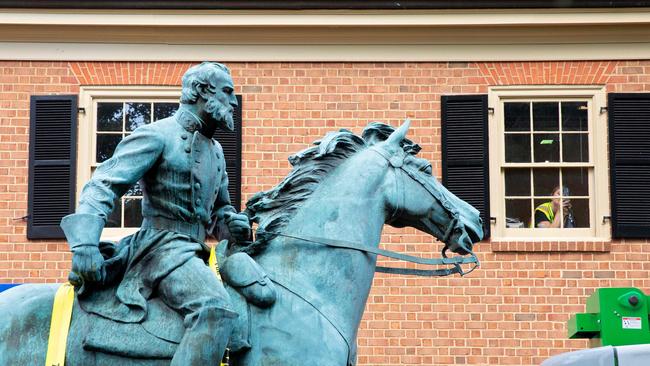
(88, 263)
(239, 226)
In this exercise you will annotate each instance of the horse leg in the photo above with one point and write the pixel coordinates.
(292, 333)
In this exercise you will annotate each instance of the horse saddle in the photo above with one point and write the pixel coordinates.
(158, 336)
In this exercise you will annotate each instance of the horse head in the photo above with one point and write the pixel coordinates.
(418, 200)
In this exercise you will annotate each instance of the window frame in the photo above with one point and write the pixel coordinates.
(595, 96)
(89, 96)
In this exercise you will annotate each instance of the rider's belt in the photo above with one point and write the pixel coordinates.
(195, 230)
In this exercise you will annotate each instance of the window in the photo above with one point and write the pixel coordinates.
(548, 169)
(110, 115)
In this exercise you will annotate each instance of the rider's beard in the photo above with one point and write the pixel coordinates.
(221, 114)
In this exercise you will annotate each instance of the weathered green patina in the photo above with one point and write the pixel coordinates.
(143, 300)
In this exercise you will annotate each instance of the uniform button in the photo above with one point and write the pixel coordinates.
(188, 150)
(198, 201)
(184, 136)
(197, 185)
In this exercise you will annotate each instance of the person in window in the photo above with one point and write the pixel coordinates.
(548, 214)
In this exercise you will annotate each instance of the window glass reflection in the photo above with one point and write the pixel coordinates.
(137, 114)
(576, 181)
(575, 147)
(517, 116)
(574, 116)
(517, 148)
(545, 181)
(546, 147)
(106, 144)
(546, 116)
(517, 182)
(132, 212)
(164, 110)
(109, 116)
(518, 213)
(115, 218)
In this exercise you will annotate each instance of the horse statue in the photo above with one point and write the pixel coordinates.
(317, 240)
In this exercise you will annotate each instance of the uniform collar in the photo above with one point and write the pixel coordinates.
(190, 121)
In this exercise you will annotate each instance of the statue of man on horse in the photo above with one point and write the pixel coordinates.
(151, 300)
(181, 170)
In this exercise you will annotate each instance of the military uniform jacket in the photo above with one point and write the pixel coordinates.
(181, 171)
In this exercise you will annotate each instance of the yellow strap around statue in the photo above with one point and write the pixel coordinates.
(60, 325)
(212, 262)
(214, 266)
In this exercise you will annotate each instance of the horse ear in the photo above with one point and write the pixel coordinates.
(399, 134)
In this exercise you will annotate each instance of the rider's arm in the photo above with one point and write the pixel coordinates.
(133, 157)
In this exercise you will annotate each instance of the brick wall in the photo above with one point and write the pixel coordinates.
(512, 311)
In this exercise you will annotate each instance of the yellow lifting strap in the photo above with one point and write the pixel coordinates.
(212, 262)
(62, 314)
(59, 325)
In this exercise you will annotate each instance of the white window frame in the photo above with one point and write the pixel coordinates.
(89, 96)
(599, 206)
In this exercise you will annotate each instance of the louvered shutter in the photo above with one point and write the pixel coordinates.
(465, 164)
(629, 149)
(52, 164)
(231, 144)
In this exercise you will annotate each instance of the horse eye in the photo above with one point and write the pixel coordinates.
(427, 169)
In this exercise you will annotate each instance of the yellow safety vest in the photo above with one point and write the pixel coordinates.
(547, 210)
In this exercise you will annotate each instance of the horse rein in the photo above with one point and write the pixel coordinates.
(455, 262)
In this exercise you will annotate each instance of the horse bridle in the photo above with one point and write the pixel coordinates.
(397, 162)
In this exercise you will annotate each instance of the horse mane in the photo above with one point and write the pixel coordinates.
(274, 208)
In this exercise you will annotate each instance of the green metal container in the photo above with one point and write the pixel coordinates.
(614, 317)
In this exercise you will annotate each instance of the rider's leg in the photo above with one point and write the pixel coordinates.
(193, 290)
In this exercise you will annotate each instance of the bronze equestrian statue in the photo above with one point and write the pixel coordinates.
(293, 296)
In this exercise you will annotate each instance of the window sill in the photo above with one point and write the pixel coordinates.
(551, 245)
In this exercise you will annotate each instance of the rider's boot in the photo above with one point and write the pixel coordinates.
(206, 337)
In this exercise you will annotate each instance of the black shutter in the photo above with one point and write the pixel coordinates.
(52, 164)
(231, 144)
(629, 159)
(465, 164)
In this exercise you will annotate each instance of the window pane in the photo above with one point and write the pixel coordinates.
(106, 145)
(132, 212)
(135, 190)
(109, 116)
(545, 181)
(545, 116)
(164, 110)
(575, 147)
(115, 219)
(137, 114)
(580, 211)
(517, 182)
(574, 116)
(576, 180)
(546, 147)
(517, 213)
(517, 116)
(517, 148)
